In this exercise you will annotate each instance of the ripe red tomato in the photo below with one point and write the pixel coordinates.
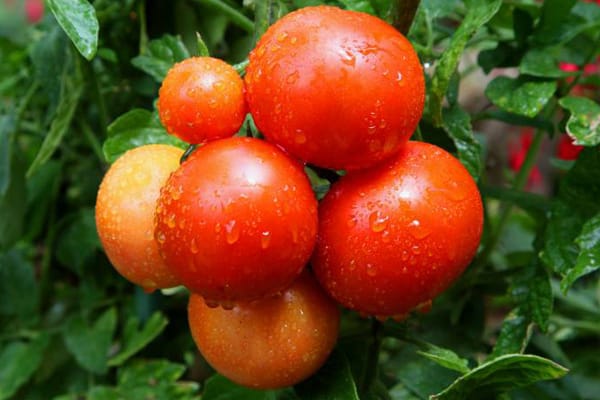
(202, 99)
(125, 213)
(394, 237)
(270, 343)
(336, 88)
(237, 220)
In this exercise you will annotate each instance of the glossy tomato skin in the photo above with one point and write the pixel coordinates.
(237, 220)
(336, 88)
(271, 343)
(202, 99)
(125, 208)
(395, 236)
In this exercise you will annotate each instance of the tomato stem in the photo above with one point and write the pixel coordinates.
(371, 367)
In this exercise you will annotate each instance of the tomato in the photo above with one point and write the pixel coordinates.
(393, 237)
(202, 99)
(125, 208)
(271, 343)
(339, 89)
(237, 220)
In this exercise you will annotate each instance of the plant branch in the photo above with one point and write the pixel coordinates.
(371, 367)
(234, 15)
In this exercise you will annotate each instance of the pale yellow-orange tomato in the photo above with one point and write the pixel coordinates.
(270, 343)
(125, 209)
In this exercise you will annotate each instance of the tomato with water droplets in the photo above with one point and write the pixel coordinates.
(237, 220)
(270, 343)
(393, 237)
(202, 99)
(336, 88)
(125, 208)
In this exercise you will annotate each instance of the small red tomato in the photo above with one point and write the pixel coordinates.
(125, 208)
(339, 89)
(237, 220)
(566, 149)
(395, 236)
(270, 343)
(202, 99)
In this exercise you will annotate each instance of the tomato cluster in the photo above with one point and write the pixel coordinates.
(238, 224)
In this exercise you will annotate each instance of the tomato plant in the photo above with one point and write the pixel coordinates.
(201, 99)
(125, 209)
(331, 94)
(237, 220)
(270, 343)
(310, 91)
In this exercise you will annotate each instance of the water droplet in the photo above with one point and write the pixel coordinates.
(161, 237)
(404, 255)
(417, 230)
(227, 305)
(171, 221)
(385, 236)
(416, 250)
(219, 85)
(382, 124)
(293, 40)
(265, 239)
(347, 57)
(300, 136)
(295, 234)
(217, 227)
(351, 222)
(194, 246)
(378, 222)
(399, 78)
(371, 129)
(371, 271)
(211, 303)
(282, 36)
(292, 78)
(232, 232)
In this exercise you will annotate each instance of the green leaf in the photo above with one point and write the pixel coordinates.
(576, 203)
(18, 362)
(543, 62)
(69, 99)
(584, 123)
(218, 387)
(319, 185)
(90, 343)
(79, 240)
(446, 358)
(7, 125)
(478, 13)
(17, 277)
(588, 259)
(514, 335)
(136, 128)
(160, 56)
(202, 48)
(135, 339)
(521, 96)
(359, 5)
(553, 14)
(333, 381)
(500, 375)
(532, 291)
(457, 123)
(13, 206)
(140, 372)
(78, 20)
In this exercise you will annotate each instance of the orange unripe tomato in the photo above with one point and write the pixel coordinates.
(271, 343)
(336, 88)
(393, 237)
(125, 208)
(202, 99)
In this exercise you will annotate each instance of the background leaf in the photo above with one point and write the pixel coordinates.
(136, 128)
(161, 54)
(78, 19)
(333, 380)
(584, 123)
(18, 362)
(520, 96)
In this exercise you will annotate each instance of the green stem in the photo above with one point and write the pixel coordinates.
(371, 367)
(404, 14)
(241, 67)
(97, 95)
(234, 15)
(143, 30)
(92, 140)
